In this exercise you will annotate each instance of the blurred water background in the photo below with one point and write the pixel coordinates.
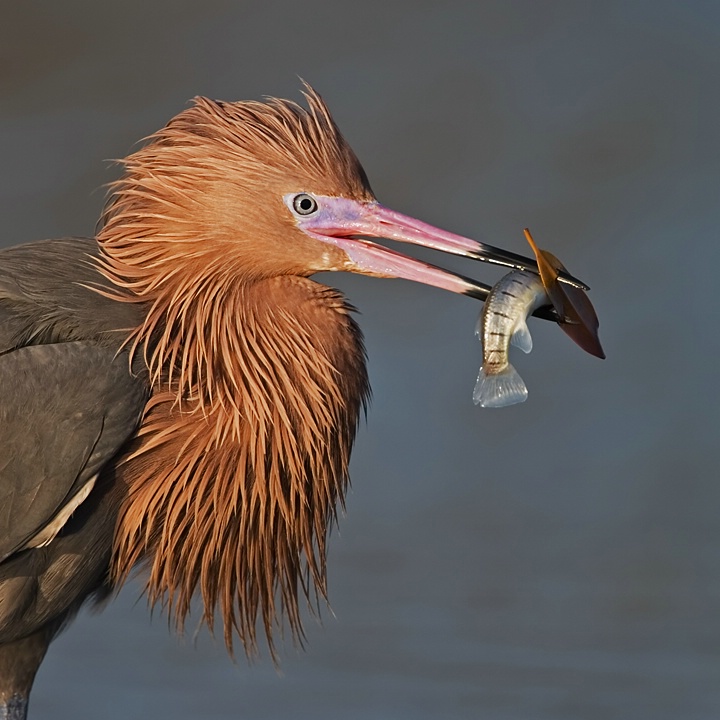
(555, 560)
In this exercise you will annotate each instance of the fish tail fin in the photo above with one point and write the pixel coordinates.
(522, 338)
(499, 389)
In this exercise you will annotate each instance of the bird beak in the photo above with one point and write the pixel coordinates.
(343, 222)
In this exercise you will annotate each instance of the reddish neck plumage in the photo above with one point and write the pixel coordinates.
(258, 374)
(234, 497)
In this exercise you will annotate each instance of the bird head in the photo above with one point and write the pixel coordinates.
(261, 190)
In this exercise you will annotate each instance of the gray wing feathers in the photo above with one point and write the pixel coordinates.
(44, 296)
(65, 411)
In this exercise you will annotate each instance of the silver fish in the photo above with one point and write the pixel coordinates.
(501, 322)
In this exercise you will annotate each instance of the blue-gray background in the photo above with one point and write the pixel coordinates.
(559, 559)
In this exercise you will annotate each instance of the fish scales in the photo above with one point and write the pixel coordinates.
(502, 322)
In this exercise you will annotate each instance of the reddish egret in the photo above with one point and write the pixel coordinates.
(176, 393)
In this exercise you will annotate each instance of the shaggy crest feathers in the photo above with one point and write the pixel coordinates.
(258, 375)
(167, 236)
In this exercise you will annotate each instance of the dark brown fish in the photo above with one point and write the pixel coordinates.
(579, 320)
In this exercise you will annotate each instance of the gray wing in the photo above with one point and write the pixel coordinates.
(65, 411)
(45, 297)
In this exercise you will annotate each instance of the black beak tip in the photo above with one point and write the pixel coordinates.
(505, 258)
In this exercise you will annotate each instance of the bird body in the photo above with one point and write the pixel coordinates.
(68, 403)
(171, 474)
(177, 394)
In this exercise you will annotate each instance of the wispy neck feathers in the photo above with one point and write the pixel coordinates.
(258, 374)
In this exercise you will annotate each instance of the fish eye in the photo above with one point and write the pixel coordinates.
(304, 204)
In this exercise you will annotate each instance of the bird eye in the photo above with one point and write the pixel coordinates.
(304, 204)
